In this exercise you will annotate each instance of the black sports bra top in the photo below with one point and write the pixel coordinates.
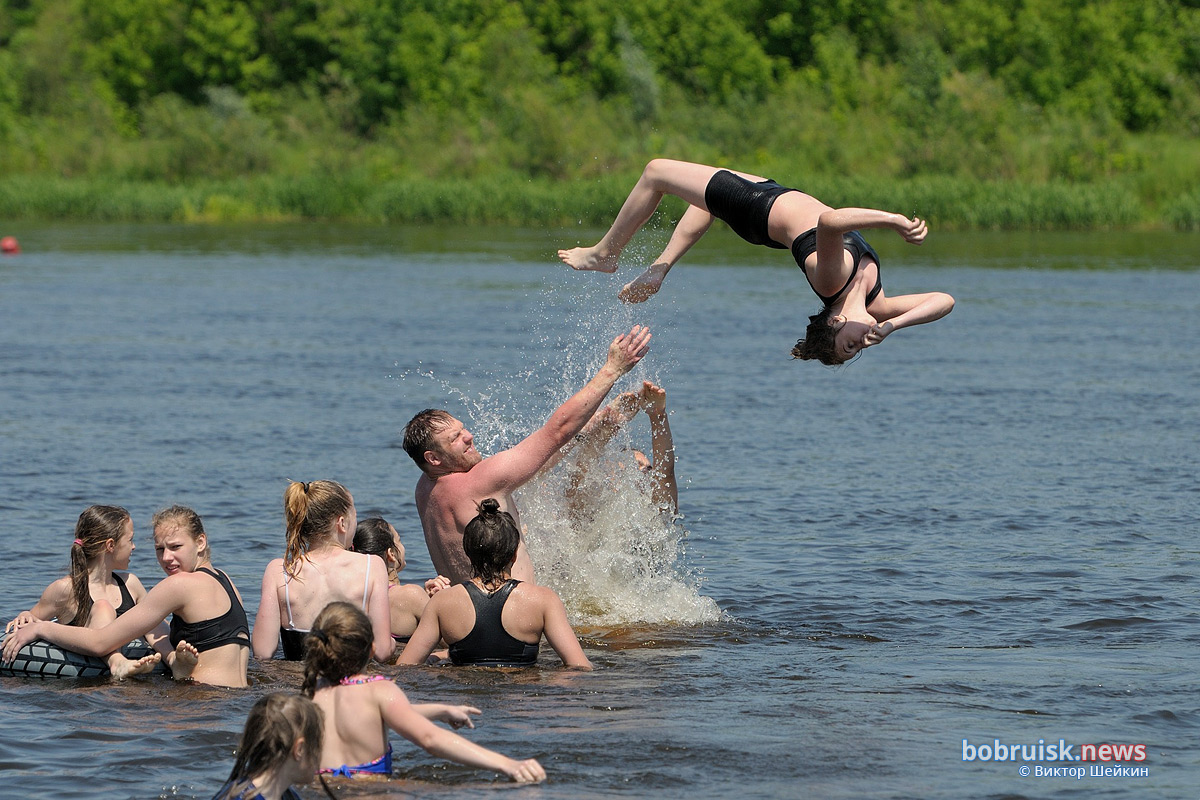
(488, 644)
(805, 245)
(231, 627)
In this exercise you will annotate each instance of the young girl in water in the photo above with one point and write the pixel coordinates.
(208, 623)
(280, 746)
(493, 620)
(359, 709)
(377, 537)
(842, 269)
(318, 568)
(103, 543)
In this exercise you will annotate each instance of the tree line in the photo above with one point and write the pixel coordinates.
(1030, 91)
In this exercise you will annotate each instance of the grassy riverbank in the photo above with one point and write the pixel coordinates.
(950, 203)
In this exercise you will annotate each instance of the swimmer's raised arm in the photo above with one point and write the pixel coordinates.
(509, 470)
(833, 224)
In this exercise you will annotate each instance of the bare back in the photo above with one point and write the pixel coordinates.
(445, 505)
(323, 577)
(354, 727)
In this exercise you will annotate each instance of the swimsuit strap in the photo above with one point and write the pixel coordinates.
(287, 597)
(366, 581)
(355, 680)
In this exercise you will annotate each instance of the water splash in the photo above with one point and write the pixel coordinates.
(622, 561)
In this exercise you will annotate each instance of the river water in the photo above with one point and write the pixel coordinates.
(982, 531)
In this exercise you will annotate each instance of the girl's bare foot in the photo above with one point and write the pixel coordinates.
(121, 668)
(640, 288)
(186, 658)
(588, 258)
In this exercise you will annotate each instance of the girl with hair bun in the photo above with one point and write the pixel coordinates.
(280, 746)
(359, 709)
(318, 568)
(208, 622)
(493, 620)
(103, 544)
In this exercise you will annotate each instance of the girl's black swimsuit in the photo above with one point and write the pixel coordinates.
(232, 627)
(488, 644)
(745, 206)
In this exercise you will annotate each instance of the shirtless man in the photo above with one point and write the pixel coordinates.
(456, 477)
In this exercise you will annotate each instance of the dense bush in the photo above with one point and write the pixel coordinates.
(394, 96)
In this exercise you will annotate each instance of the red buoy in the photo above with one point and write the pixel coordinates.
(9, 246)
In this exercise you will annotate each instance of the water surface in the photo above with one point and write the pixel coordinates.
(983, 529)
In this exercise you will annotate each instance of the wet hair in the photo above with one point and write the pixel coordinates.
(274, 725)
(373, 536)
(490, 541)
(187, 519)
(819, 342)
(419, 433)
(96, 525)
(337, 645)
(310, 510)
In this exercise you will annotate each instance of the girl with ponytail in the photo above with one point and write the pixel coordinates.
(493, 620)
(103, 544)
(361, 708)
(318, 568)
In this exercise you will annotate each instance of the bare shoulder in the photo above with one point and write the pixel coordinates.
(409, 592)
(59, 591)
(134, 585)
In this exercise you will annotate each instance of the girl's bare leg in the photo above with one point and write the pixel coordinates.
(692, 225)
(661, 176)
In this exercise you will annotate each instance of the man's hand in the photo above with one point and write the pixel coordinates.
(627, 349)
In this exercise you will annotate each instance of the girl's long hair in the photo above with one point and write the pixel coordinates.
(96, 525)
(274, 725)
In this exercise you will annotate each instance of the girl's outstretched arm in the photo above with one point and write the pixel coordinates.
(163, 600)
(400, 716)
(454, 716)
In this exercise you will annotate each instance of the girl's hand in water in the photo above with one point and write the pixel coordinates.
(527, 771)
(913, 230)
(879, 331)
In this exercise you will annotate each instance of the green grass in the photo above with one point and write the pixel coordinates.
(509, 199)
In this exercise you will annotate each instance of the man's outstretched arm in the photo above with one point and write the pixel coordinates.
(508, 470)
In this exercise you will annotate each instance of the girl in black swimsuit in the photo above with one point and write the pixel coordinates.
(493, 620)
(841, 267)
(103, 544)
